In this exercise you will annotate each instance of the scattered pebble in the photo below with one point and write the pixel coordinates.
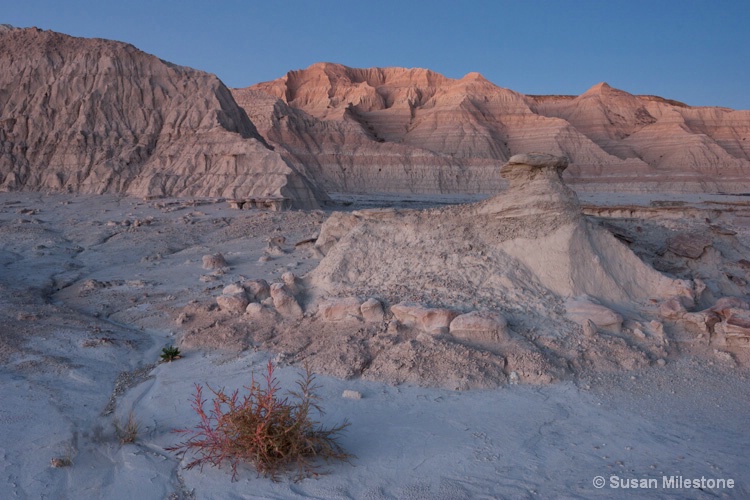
(348, 394)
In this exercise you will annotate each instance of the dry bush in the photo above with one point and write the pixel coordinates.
(127, 431)
(59, 462)
(272, 433)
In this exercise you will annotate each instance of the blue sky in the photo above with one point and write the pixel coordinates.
(697, 52)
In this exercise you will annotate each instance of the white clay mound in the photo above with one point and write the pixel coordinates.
(521, 287)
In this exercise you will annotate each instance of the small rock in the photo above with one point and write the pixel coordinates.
(339, 309)
(372, 310)
(481, 326)
(215, 261)
(234, 303)
(232, 289)
(254, 308)
(672, 308)
(268, 301)
(589, 328)
(431, 320)
(351, 394)
(275, 250)
(258, 311)
(584, 309)
(290, 281)
(257, 290)
(513, 378)
(264, 258)
(656, 330)
(284, 301)
(437, 321)
(661, 361)
(407, 313)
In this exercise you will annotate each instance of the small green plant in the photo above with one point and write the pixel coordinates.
(272, 433)
(127, 431)
(170, 353)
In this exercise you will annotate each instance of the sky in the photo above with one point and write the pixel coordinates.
(696, 52)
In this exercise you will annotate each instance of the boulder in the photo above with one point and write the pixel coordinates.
(430, 320)
(215, 261)
(656, 329)
(372, 311)
(333, 229)
(233, 288)
(284, 301)
(582, 309)
(291, 282)
(349, 394)
(482, 326)
(258, 311)
(233, 302)
(436, 321)
(672, 308)
(257, 290)
(407, 313)
(339, 309)
(589, 328)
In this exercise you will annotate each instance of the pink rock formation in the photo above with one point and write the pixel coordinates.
(412, 130)
(97, 116)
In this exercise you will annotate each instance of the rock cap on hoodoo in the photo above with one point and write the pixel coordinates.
(525, 164)
(539, 160)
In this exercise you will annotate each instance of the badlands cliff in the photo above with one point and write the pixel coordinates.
(97, 116)
(413, 130)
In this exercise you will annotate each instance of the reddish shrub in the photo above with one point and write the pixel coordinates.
(272, 433)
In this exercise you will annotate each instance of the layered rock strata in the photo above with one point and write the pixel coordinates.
(415, 131)
(97, 116)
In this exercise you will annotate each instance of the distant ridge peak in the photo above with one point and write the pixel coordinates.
(599, 88)
(604, 89)
(474, 76)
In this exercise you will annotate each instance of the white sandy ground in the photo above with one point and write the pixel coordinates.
(62, 353)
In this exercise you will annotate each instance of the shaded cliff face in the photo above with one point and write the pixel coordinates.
(97, 116)
(393, 129)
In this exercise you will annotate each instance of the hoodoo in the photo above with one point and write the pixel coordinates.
(521, 286)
